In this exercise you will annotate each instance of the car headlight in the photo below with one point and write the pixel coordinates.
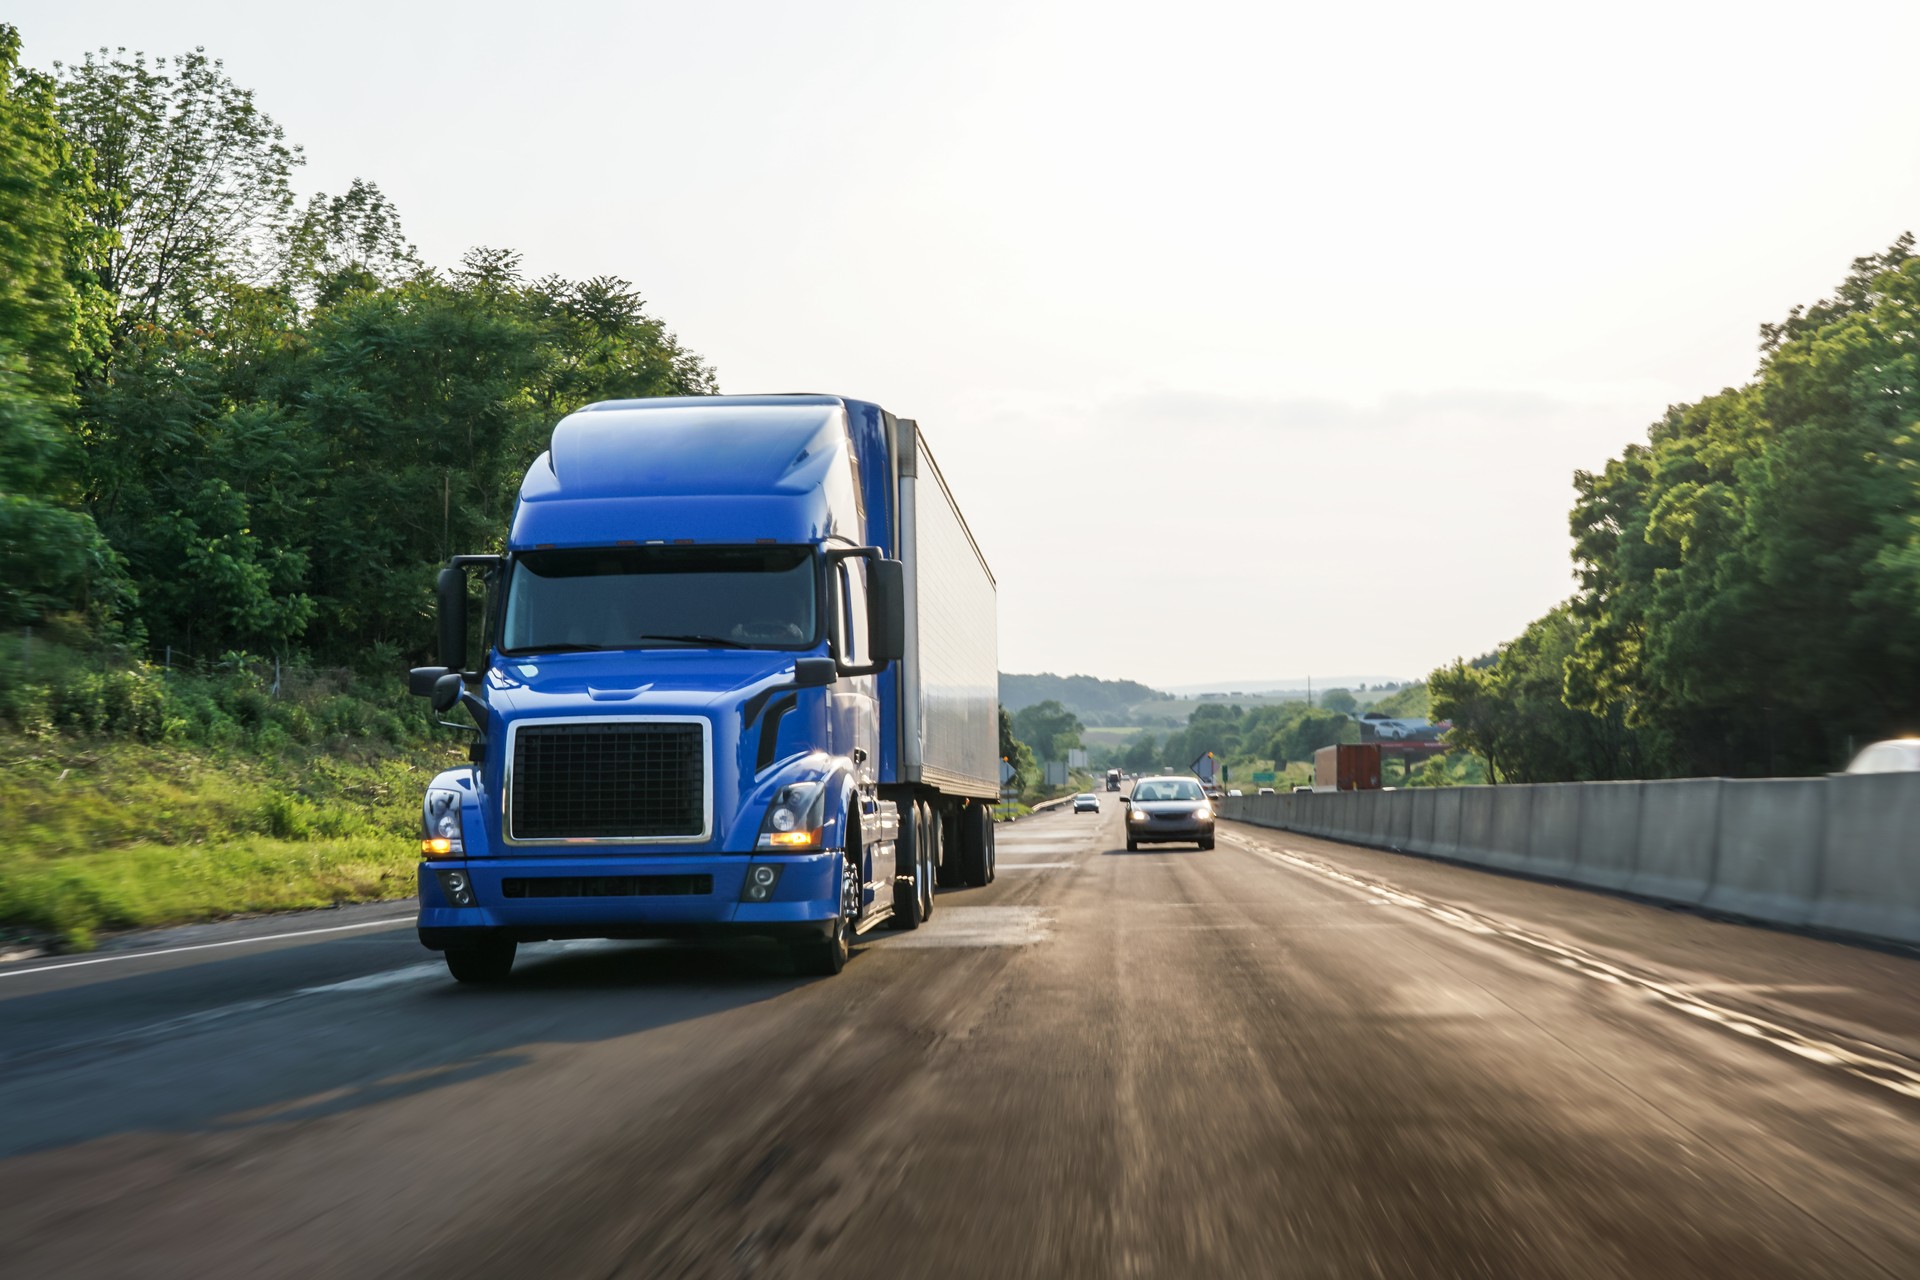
(1136, 815)
(1204, 812)
(441, 835)
(794, 818)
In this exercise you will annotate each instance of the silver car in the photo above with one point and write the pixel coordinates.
(1166, 810)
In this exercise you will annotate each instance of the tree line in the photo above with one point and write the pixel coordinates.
(1238, 736)
(232, 420)
(1749, 578)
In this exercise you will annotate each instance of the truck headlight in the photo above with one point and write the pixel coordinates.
(440, 832)
(794, 818)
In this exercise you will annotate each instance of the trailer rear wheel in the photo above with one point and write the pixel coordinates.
(952, 825)
(976, 845)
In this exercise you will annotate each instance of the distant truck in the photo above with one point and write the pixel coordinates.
(737, 679)
(1113, 779)
(1347, 767)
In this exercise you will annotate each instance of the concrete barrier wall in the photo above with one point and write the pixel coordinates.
(1839, 853)
(1870, 868)
(1553, 830)
(1399, 808)
(1476, 825)
(1446, 822)
(1768, 861)
(1506, 847)
(1609, 833)
(1679, 835)
(1422, 804)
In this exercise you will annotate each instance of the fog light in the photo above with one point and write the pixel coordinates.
(762, 879)
(455, 885)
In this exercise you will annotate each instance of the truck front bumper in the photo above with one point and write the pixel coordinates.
(529, 899)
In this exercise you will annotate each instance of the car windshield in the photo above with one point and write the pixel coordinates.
(1168, 789)
(646, 597)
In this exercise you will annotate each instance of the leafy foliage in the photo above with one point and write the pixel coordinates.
(1749, 577)
(1048, 728)
(226, 417)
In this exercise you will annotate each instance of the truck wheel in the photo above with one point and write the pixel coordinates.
(931, 860)
(951, 841)
(976, 848)
(482, 962)
(823, 959)
(910, 853)
(993, 849)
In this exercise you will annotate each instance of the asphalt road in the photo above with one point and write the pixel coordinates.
(1279, 1058)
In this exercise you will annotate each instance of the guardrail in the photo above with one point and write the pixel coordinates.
(1840, 852)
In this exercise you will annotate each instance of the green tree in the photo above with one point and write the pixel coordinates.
(1016, 753)
(52, 558)
(1049, 729)
(1141, 754)
(1312, 729)
(1341, 700)
(1748, 586)
(188, 181)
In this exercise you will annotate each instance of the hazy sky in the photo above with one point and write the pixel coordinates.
(1257, 339)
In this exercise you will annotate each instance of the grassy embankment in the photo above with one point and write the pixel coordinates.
(131, 796)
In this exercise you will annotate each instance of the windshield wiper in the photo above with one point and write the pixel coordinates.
(716, 641)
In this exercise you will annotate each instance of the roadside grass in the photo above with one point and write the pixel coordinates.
(100, 834)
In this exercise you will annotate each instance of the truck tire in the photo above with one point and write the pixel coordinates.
(911, 853)
(949, 876)
(825, 958)
(484, 962)
(976, 845)
(930, 862)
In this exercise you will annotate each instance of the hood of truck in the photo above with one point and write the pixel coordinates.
(631, 682)
(703, 684)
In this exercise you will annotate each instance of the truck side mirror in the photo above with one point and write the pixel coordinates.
(446, 692)
(886, 611)
(814, 673)
(420, 680)
(452, 589)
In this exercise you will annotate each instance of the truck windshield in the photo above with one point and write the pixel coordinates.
(660, 597)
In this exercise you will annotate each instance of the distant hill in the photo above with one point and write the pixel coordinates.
(1297, 686)
(1094, 700)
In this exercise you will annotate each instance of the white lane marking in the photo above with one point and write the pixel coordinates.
(1884, 1067)
(432, 970)
(391, 923)
(1031, 866)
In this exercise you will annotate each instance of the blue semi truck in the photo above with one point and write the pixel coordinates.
(737, 678)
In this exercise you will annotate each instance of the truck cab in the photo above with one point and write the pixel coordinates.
(685, 697)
